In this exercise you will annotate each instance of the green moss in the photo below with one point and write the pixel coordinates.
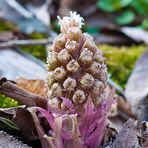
(7, 102)
(37, 35)
(121, 61)
(38, 51)
(6, 26)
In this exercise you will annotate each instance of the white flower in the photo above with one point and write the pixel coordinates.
(74, 20)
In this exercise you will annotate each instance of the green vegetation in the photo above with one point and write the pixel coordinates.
(7, 124)
(6, 26)
(129, 8)
(7, 102)
(121, 61)
(126, 17)
(38, 51)
(139, 6)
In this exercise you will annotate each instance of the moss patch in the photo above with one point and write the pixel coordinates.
(7, 102)
(121, 61)
(38, 51)
(6, 26)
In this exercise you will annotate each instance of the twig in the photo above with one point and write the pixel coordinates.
(26, 98)
(116, 86)
(25, 42)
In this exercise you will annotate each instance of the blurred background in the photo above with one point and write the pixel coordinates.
(27, 27)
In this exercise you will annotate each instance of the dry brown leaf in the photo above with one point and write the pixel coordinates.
(34, 86)
(24, 122)
(25, 97)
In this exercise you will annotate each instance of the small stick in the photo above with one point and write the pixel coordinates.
(25, 97)
(117, 87)
(11, 43)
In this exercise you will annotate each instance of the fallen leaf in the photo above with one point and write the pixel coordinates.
(24, 122)
(137, 89)
(7, 141)
(5, 36)
(34, 86)
(28, 20)
(24, 65)
(25, 97)
(127, 137)
(135, 33)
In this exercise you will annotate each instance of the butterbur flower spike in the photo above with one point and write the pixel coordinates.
(76, 64)
(76, 82)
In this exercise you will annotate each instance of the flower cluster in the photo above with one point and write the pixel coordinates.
(77, 77)
(76, 66)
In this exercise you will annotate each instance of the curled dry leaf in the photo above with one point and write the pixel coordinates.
(10, 112)
(7, 141)
(24, 122)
